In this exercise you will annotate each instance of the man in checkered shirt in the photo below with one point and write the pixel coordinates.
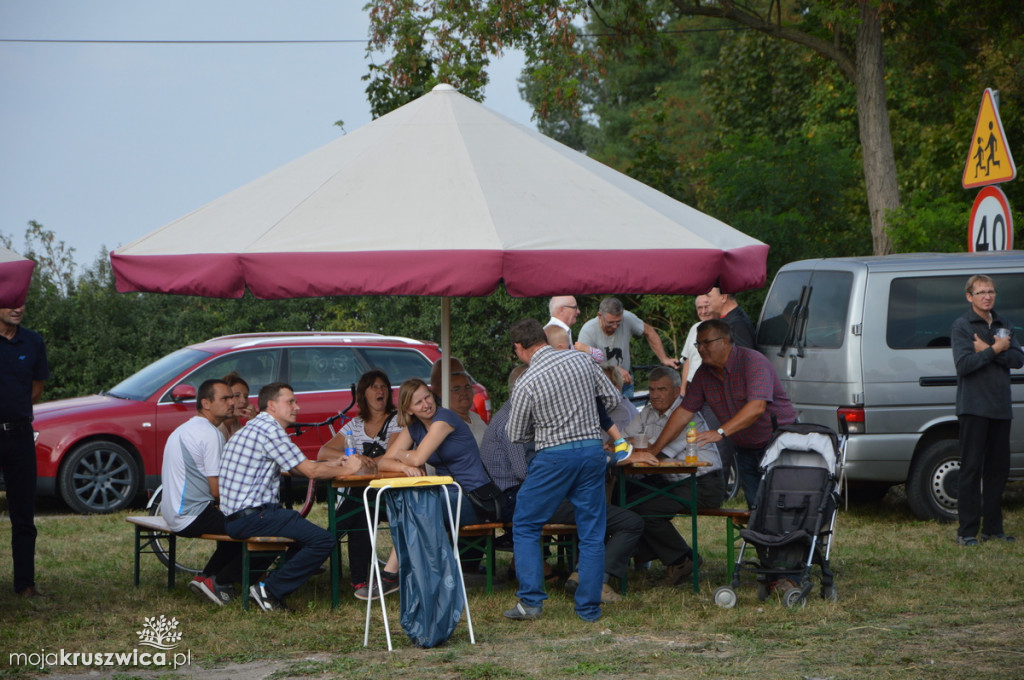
(250, 476)
(554, 404)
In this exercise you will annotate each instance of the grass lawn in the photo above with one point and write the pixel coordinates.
(911, 605)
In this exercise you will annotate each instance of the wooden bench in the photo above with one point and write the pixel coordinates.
(734, 519)
(150, 528)
(481, 537)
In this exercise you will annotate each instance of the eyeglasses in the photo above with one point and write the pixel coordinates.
(984, 293)
(705, 343)
(571, 306)
(462, 388)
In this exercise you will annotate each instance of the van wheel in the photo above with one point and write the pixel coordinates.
(933, 481)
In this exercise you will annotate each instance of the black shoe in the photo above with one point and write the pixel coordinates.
(996, 537)
(265, 600)
(967, 541)
(30, 592)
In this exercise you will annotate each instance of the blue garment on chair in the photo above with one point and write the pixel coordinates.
(432, 600)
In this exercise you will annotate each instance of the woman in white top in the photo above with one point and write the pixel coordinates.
(376, 423)
(374, 428)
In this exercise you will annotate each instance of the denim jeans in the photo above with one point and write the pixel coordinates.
(574, 471)
(748, 464)
(313, 545)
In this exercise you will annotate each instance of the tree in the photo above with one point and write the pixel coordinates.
(846, 32)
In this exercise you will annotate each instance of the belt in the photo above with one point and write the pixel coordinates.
(15, 425)
(245, 512)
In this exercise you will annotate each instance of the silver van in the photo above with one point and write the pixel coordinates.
(866, 340)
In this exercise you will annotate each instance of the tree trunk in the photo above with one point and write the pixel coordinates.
(873, 120)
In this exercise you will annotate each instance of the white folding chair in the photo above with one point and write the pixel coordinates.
(384, 486)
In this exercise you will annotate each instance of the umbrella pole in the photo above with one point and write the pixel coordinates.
(446, 351)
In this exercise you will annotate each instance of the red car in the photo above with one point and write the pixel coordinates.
(98, 452)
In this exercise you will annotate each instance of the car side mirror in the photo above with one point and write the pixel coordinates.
(183, 392)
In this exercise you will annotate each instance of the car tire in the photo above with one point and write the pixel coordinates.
(932, 483)
(732, 480)
(99, 477)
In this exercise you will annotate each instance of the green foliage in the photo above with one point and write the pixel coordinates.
(930, 224)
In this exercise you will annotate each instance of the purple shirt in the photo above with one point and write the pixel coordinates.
(749, 376)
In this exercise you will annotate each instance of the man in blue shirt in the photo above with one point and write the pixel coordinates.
(23, 371)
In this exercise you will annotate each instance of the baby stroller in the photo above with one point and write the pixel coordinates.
(792, 521)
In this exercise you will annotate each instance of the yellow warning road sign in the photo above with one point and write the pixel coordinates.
(989, 160)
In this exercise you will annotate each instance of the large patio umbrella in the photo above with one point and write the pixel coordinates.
(442, 197)
(15, 277)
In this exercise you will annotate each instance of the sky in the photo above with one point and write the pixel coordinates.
(103, 143)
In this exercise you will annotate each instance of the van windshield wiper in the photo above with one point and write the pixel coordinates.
(797, 321)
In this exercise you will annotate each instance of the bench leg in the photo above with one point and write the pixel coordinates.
(172, 559)
(246, 566)
(138, 552)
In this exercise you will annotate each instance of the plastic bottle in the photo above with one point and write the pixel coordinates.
(350, 443)
(691, 444)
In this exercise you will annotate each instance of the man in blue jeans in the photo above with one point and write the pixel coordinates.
(250, 477)
(554, 404)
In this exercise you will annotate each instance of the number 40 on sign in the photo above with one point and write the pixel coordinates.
(991, 222)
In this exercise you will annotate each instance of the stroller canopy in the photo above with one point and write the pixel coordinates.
(804, 444)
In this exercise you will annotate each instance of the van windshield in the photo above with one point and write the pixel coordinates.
(806, 309)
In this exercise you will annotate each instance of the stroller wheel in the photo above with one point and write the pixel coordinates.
(829, 593)
(725, 597)
(794, 597)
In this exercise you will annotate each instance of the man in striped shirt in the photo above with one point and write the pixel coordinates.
(250, 476)
(554, 404)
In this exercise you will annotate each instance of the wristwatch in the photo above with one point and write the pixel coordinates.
(721, 433)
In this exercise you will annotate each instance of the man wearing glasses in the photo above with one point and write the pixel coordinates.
(564, 312)
(984, 351)
(742, 389)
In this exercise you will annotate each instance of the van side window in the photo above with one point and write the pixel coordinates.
(922, 309)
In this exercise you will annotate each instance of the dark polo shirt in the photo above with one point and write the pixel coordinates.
(22, 361)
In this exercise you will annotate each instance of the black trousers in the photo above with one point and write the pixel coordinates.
(18, 463)
(225, 565)
(984, 468)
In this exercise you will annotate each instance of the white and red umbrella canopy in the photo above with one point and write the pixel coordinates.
(442, 197)
(15, 277)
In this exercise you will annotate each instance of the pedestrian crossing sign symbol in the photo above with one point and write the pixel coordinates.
(989, 160)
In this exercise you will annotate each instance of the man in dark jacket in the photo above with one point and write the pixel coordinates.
(984, 351)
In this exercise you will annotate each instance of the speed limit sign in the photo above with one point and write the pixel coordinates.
(991, 225)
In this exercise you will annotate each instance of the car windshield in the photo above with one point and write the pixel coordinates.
(147, 381)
